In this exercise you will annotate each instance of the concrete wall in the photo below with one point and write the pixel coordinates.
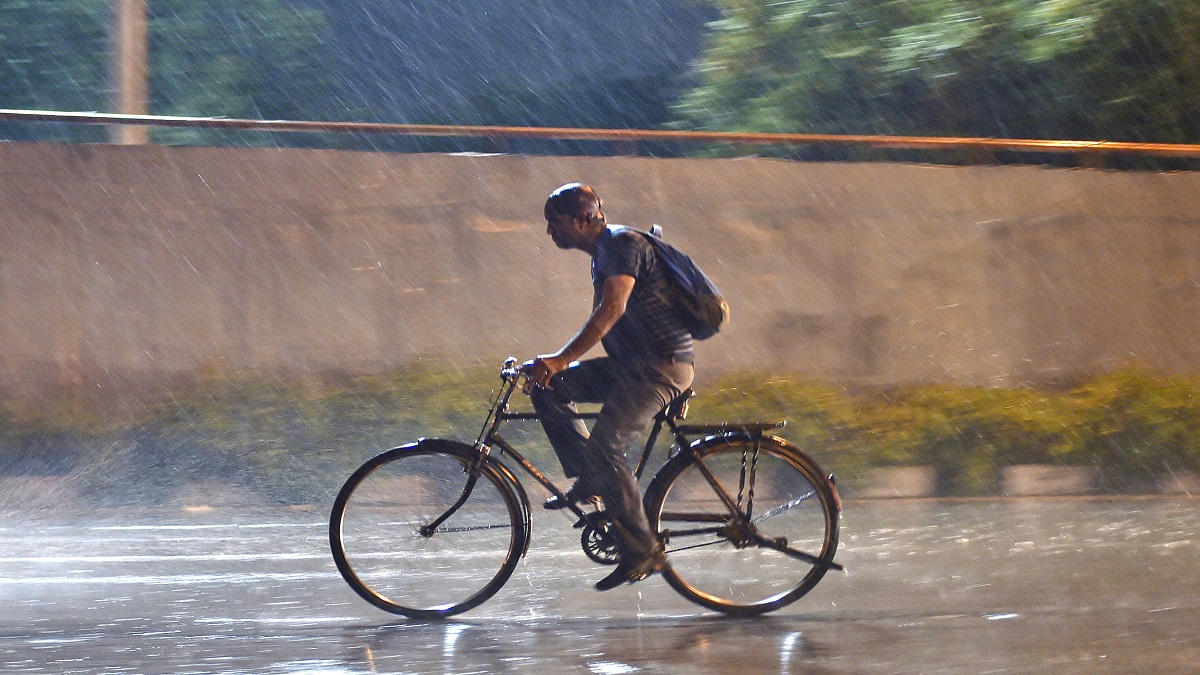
(124, 270)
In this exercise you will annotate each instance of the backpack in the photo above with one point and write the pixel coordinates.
(692, 294)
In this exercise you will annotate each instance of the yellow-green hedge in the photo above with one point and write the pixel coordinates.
(1134, 427)
(294, 442)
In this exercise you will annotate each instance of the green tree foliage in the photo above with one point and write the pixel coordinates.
(256, 59)
(51, 57)
(1106, 69)
(236, 58)
(597, 102)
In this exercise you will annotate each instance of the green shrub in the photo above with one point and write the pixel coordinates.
(46, 439)
(968, 433)
(824, 421)
(288, 441)
(296, 441)
(1137, 429)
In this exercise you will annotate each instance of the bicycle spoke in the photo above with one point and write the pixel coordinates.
(783, 507)
(472, 529)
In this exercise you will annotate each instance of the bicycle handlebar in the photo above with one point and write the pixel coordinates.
(510, 370)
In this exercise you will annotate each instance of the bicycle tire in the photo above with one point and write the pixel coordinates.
(379, 549)
(722, 561)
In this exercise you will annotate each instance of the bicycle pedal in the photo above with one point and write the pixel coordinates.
(593, 518)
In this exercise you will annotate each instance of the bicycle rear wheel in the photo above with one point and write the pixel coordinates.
(379, 529)
(746, 531)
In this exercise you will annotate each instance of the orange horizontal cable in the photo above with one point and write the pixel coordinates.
(567, 133)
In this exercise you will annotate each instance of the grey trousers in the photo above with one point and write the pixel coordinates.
(632, 391)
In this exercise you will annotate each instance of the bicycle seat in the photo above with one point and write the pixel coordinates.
(677, 409)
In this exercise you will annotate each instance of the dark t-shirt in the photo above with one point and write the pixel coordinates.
(649, 326)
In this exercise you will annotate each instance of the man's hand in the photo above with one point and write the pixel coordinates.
(543, 368)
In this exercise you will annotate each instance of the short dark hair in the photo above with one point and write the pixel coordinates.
(574, 199)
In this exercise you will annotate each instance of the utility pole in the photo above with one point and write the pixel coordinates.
(130, 69)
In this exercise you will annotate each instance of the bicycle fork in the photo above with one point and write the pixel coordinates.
(472, 477)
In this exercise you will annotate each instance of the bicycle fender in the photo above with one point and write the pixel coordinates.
(830, 481)
(526, 513)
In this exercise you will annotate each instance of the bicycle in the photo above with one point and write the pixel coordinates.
(436, 527)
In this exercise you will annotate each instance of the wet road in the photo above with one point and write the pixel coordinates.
(1012, 586)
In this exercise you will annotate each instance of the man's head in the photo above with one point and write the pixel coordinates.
(573, 216)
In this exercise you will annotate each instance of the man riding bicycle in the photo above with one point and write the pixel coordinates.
(649, 362)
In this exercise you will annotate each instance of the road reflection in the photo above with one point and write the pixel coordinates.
(658, 645)
(1073, 586)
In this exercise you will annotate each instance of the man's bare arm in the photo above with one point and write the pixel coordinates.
(614, 298)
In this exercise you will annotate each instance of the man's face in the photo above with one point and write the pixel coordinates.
(563, 229)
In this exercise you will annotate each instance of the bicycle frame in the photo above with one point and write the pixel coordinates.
(512, 374)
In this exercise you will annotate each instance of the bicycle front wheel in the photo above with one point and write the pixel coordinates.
(391, 548)
(749, 527)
